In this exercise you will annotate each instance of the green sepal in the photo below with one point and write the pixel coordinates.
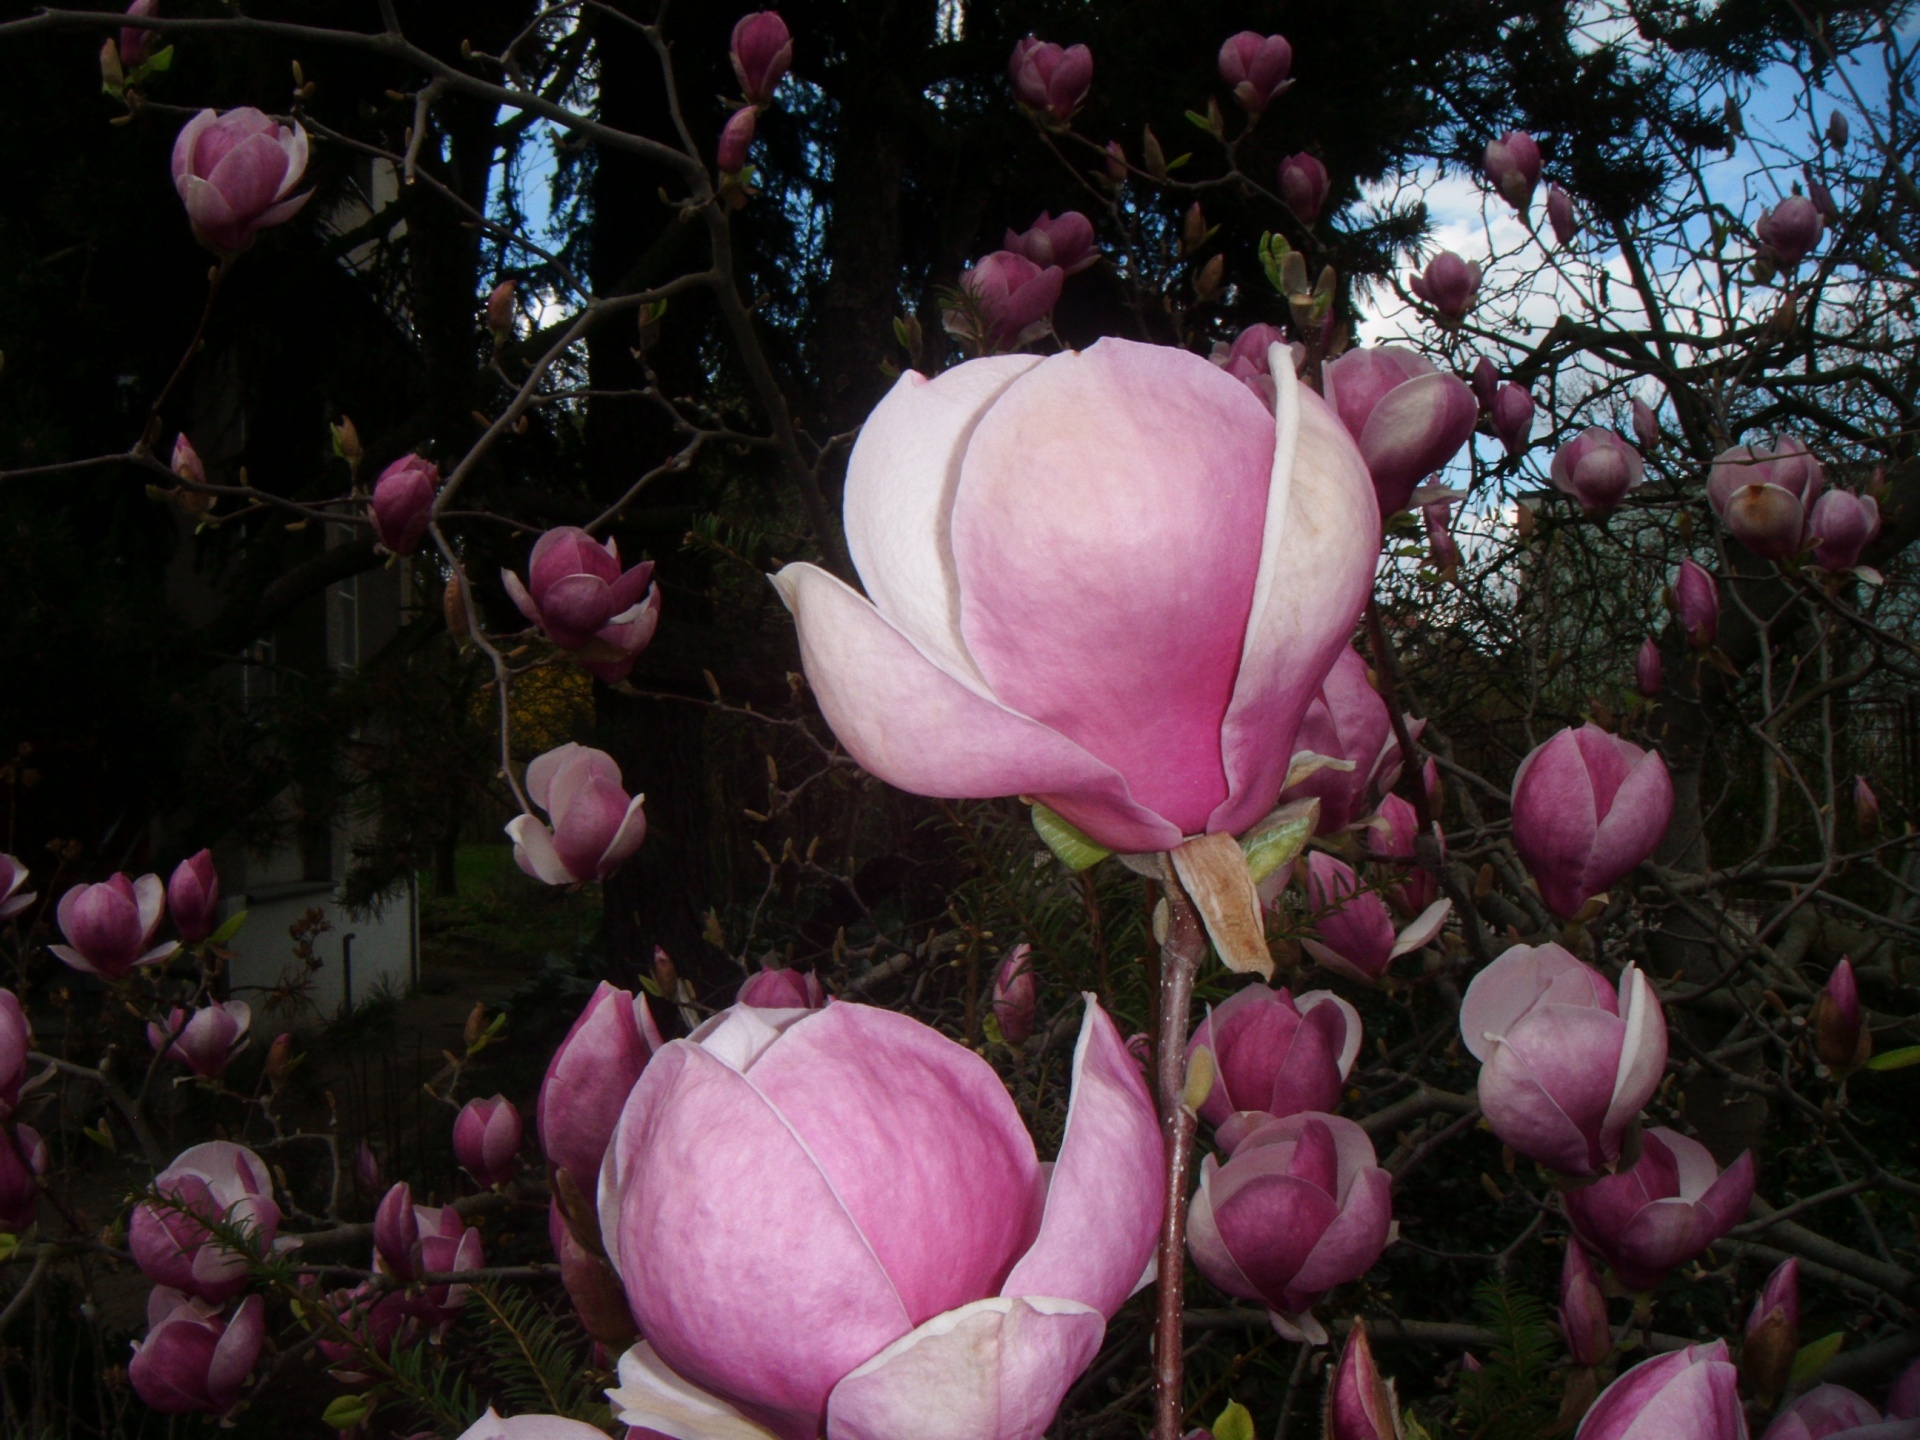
(1073, 849)
(345, 1412)
(1278, 840)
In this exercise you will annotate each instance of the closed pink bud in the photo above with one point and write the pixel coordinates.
(873, 1181)
(1597, 468)
(591, 1285)
(1765, 496)
(1841, 525)
(1345, 751)
(206, 1040)
(1647, 668)
(135, 43)
(593, 826)
(1696, 601)
(1442, 549)
(1547, 1030)
(1301, 1207)
(193, 1359)
(1790, 230)
(1356, 936)
(213, 1183)
(486, 1139)
(1833, 1412)
(1665, 1211)
(1066, 240)
(366, 1168)
(193, 896)
(1449, 284)
(735, 136)
(1304, 184)
(1822, 199)
(110, 927)
(16, 1039)
(23, 1160)
(1391, 837)
(396, 1233)
(1866, 807)
(1049, 79)
(589, 1077)
(1903, 1401)
(500, 307)
(761, 51)
(783, 990)
(1587, 808)
(1011, 298)
(1255, 67)
(585, 603)
(1512, 166)
(14, 896)
(235, 173)
(1646, 425)
(1016, 994)
(1513, 417)
(186, 461)
(1773, 1333)
(1840, 1035)
(1486, 383)
(1560, 215)
(1360, 1404)
(402, 505)
(1249, 358)
(1583, 1310)
(1408, 418)
(1692, 1393)
(1274, 1055)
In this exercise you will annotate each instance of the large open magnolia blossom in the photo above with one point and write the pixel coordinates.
(1110, 579)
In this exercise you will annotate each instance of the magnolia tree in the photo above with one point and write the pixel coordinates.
(1429, 894)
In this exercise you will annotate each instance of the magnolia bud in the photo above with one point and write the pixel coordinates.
(453, 605)
(1647, 669)
(1840, 1035)
(1646, 425)
(1837, 130)
(1486, 383)
(1212, 279)
(1773, 1334)
(280, 1059)
(1560, 215)
(500, 308)
(734, 140)
(1583, 1309)
(476, 1027)
(346, 441)
(1193, 230)
(1866, 807)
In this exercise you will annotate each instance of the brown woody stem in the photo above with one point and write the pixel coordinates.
(1180, 956)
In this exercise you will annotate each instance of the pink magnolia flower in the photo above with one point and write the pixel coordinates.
(186, 462)
(1512, 166)
(1304, 185)
(1597, 468)
(402, 506)
(135, 43)
(1345, 751)
(1355, 933)
(1583, 1310)
(1408, 418)
(1765, 496)
(23, 1160)
(1066, 241)
(1565, 1064)
(1696, 600)
(1666, 1210)
(13, 898)
(1274, 1056)
(204, 1040)
(110, 926)
(1049, 79)
(413, 1241)
(761, 50)
(16, 1039)
(1841, 525)
(1833, 1412)
(1391, 837)
(1512, 416)
(1248, 357)
(1449, 284)
(1360, 1402)
(588, 1080)
(193, 1358)
(486, 1139)
(1560, 215)
(532, 1427)
(1587, 808)
(1692, 1392)
(1010, 299)
(235, 172)
(193, 895)
(1789, 231)
(783, 990)
(593, 827)
(584, 602)
(1485, 379)
(1443, 551)
(217, 1182)
(1016, 994)
(735, 136)
(1300, 1208)
(377, 1321)
(1772, 1335)
(1648, 669)
(870, 1184)
(1646, 425)
(1255, 67)
(1013, 644)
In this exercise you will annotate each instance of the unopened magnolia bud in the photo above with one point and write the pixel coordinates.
(1211, 280)
(1116, 162)
(476, 1024)
(1646, 425)
(734, 140)
(280, 1059)
(1840, 1035)
(1193, 230)
(1647, 669)
(1773, 1334)
(1560, 215)
(1866, 807)
(665, 975)
(346, 441)
(1837, 130)
(500, 308)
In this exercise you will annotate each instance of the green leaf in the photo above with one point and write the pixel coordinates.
(103, 1137)
(345, 1412)
(1177, 161)
(229, 928)
(1274, 250)
(1234, 1423)
(1200, 122)
(990, 1027)
(1896, 1059)
(1279, 839)
(1073, 849)
(8, 1244)
(1813, 1357)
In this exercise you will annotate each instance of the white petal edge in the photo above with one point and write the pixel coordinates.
(651, 1396)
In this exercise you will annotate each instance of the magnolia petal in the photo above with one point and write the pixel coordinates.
(533, 851)
(651, 1396)
(1423, 929)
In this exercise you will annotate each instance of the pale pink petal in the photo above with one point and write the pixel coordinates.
(1423, 928)
(533, 851)
(1643, 1053)
(653, 1397)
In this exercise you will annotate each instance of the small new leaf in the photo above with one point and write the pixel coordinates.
(229, 928)
(345, 1412)
(1896, 1059)
(1234, 1423)
(1813, 1357)
(1073, 849)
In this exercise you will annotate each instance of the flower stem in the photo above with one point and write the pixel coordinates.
(1180, 956)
